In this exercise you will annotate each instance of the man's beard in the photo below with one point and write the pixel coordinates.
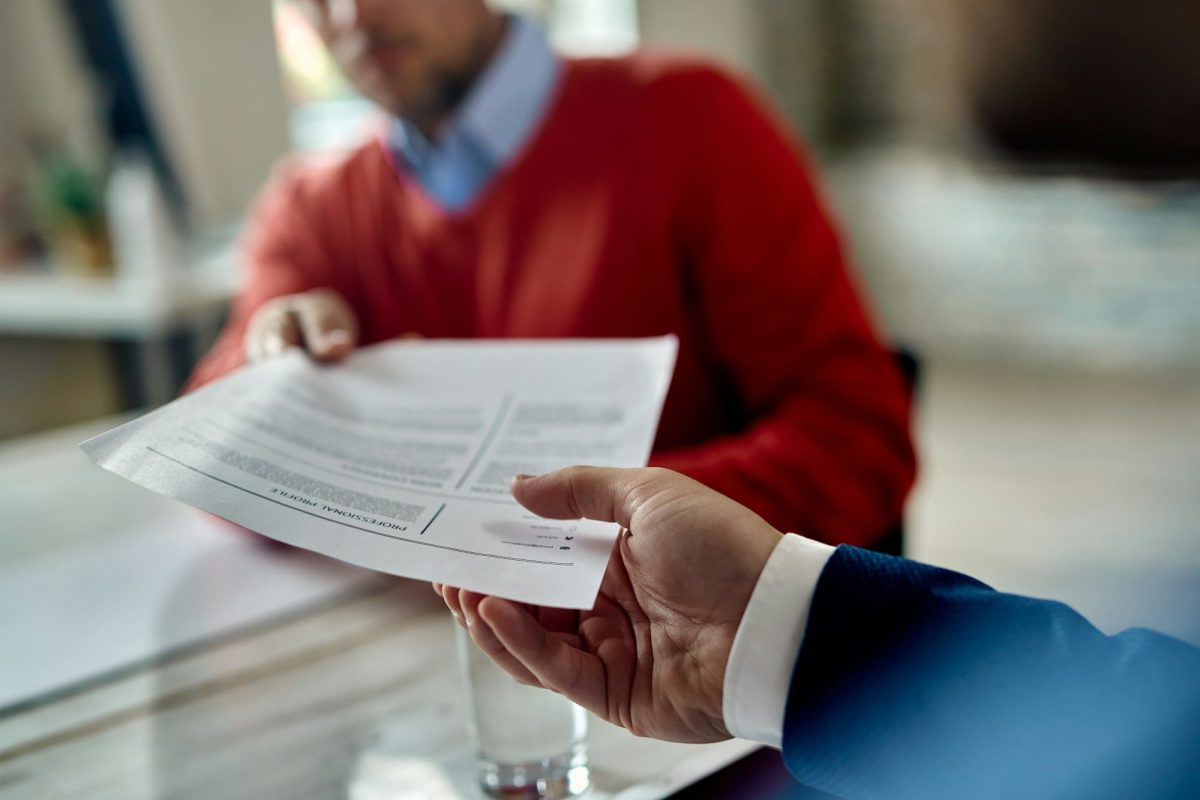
(449, 87)
(447, 91)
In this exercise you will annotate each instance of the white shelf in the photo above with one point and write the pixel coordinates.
(47, 304)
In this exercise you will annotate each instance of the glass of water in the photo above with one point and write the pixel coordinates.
(530, 742)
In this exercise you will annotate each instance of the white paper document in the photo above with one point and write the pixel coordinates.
(399, 458)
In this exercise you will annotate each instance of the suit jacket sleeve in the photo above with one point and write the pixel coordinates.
(824, 446)
(914, 681)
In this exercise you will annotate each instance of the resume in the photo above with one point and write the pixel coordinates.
(399, 458)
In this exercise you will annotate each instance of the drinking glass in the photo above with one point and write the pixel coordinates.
(530, 742)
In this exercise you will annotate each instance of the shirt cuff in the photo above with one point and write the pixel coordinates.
(759, 672)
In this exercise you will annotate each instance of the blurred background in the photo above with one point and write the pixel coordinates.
(1019, 186)
(1019, 182)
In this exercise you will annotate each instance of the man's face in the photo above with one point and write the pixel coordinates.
(413, 57)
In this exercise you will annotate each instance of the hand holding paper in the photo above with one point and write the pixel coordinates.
(399, 459)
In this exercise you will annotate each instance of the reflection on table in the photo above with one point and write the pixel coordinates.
(164, 654)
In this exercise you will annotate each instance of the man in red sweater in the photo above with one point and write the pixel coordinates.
(517, 194)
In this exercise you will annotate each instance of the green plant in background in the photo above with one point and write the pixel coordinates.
(69, 209)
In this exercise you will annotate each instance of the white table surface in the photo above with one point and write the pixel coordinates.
(309, 684)
(1081, 489)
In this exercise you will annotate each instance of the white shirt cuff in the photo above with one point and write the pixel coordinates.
(759, 672)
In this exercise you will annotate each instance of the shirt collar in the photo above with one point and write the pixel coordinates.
(505, 103)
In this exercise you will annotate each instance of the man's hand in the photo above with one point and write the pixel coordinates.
(651, 655)
(320, 321)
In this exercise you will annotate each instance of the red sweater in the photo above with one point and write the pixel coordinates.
(657, 196)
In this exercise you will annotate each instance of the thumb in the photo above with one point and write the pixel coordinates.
(598, 493)
(329, 326)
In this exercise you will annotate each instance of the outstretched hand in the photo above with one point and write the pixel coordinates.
(320, 321)
(651, 655)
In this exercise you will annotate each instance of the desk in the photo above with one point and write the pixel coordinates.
(355, 696)
(1080, 489)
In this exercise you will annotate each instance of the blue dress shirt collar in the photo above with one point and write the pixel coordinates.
(498, 116)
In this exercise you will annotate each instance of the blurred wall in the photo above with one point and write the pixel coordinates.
(210, 71)
(724, 30)
(1103, 81)
(784, 45)
(44, 87)
(982, 170)
(211, 78)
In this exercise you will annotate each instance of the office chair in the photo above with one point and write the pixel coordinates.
(892, 542)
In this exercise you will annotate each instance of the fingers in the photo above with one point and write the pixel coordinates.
(272, 330)
(555, 663)
(319, 320)
(451, 597)
(597, 493)
(327, 325)
(487, 641)
(464, 605)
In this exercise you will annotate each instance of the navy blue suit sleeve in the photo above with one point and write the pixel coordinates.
(919, 682)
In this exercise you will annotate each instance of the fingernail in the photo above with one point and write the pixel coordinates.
(337, 337)
(522, 476)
